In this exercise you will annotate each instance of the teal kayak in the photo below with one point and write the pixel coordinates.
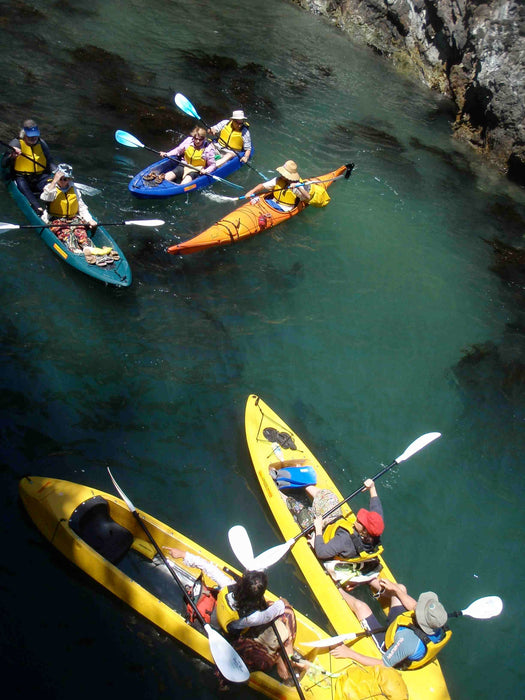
(117, 273)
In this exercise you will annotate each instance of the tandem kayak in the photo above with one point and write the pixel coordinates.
(144, 188)
(263, 428)
(117, 273)
(251, 218)
(98, 533)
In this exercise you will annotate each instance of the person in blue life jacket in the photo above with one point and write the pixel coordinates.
(233, 137)
(287, 190)
(416, 632)
(30, 163)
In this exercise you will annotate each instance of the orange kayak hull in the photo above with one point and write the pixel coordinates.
(251, 218)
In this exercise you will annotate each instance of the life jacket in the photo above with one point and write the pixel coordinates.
(370, 682)
(205, 600)
(362, 553)
(195, 156)
(433, 643)
(231, 138)
(283, 194)
(226, 613)
(24, 166)
(65, 204)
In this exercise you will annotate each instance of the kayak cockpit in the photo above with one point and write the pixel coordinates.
(92, 522)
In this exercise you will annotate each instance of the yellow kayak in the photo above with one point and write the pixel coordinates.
(62, 509)
(423, 684)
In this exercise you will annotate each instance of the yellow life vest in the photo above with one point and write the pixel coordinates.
(332, 528)
(432, 648)
(195, 156)
(319, 197)
(25, 166)
(283, 194)
(370, 682)
(225, 613)
(231, 138)
(65, 204)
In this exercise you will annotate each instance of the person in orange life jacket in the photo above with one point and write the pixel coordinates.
(243, 613)
(196, 151)
(337, 538)
(65, 205)
(416, 630)
(286, 189)
(233, 137)
(30, 163)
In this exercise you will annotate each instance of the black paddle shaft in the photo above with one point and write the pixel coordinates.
(166, 562)
(288, 661)
(348, 498)
(175, 160)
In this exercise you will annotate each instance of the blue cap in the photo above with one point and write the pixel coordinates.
(31, 128)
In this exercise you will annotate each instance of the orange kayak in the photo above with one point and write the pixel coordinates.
(251, 218)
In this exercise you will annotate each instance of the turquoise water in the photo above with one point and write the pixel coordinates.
(351, 322)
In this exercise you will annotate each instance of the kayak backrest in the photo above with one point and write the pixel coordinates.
(92, 522)
(295, 477)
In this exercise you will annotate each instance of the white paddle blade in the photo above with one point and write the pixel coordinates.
(484, 608)
(417, 445)
(121, 492)
(145, 222)
(226, 658)
(331, 641)
(8, 227)
(87, 189)
(241, 545)
(127, 139)
(185, 105)
(271, 556)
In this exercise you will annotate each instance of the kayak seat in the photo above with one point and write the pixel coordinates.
(91, 522)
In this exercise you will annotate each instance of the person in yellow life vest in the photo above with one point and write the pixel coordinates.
(30, 163)
(197, 157)
(246, 617)
(286, 189)
(233, 138)
(416, 632)
(66, 206)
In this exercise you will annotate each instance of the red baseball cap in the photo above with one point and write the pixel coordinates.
(372, 521)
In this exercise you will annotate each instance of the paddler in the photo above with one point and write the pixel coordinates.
(339, 538)
(417, 629)
(197, 152)
(233, 137)
(287, 190)
(66, 206)
(244, 614)
(30, 163)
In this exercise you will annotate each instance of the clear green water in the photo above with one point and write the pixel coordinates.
(349, 321)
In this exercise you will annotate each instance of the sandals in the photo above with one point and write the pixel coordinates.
(154, 177)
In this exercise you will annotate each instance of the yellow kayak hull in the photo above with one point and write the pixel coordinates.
(51, 503)
(427, 683)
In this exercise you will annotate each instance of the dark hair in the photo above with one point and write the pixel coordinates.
(249, 592)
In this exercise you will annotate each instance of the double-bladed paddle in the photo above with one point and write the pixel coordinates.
(126, 139)
(138, 222)
(186, 106)
(273, 555)
(227, 659)
(481, 609)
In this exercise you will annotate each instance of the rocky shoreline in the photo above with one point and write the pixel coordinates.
(472, 51)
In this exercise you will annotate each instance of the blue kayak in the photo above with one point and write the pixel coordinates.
(149, 189)
(117, 273)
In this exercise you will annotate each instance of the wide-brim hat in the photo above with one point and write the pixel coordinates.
(238, 116)
(66, 170)
(31, 128)
(430, 614)
(289, 171)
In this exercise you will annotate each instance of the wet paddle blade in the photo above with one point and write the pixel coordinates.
(484, 608)
(185, 106)
(9, 227)
(417, 445)
(127, 139)
(87, 189)
(228, 661)
(241, 546)
(272, 556)
(145, 222)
